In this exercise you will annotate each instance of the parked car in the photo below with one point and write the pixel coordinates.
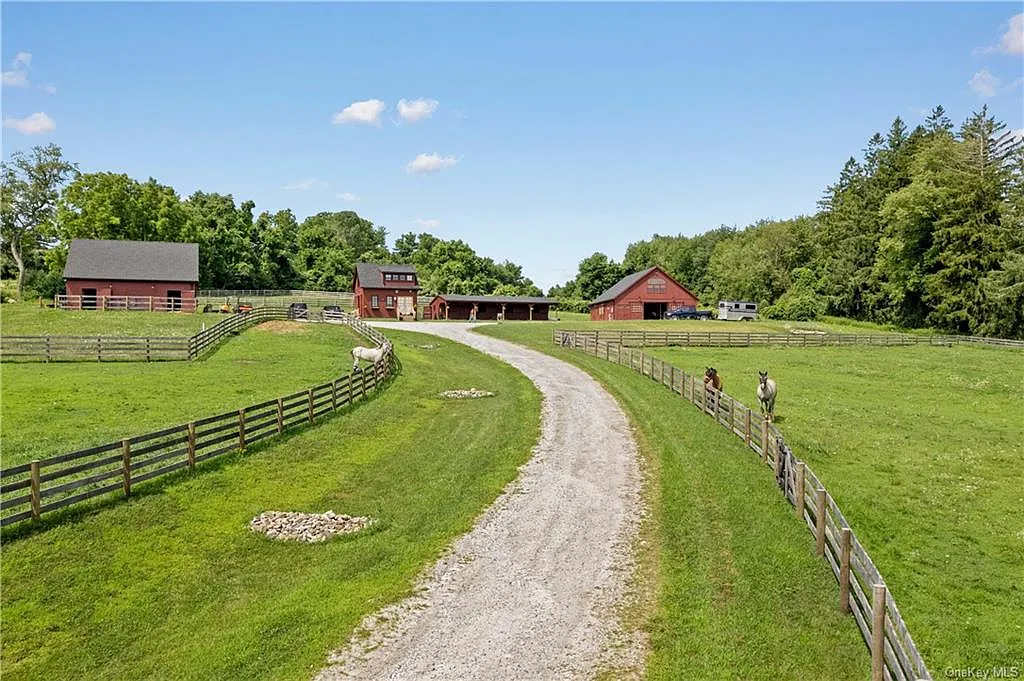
(336, 309)
(298, 311)
(688, 312)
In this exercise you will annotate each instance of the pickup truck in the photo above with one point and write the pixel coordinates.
(687, 312)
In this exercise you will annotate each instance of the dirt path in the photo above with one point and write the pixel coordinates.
(530, 592)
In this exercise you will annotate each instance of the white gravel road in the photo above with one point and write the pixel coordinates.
(532, 592)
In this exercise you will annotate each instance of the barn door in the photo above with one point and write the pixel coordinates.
(406, 307)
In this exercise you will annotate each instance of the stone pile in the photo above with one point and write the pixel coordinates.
(466, 394)
(306, 527)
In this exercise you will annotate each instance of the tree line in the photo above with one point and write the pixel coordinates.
(46, 202)
(926, 229)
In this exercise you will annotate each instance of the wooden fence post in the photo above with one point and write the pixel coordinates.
(878, 632)
(819, 511)
(280, 415)
(746, 427)
(798, 490)
(191, 452)
(34, 491)
(310, 394)
(47, 349)
(126, 467)
(672, 378)
(99, 348)
(845, 546)
(241, 428)
(147, 349)
(334, 395)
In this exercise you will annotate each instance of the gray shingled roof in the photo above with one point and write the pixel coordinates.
(498, 299)
(371, 274)
(621, 286)
(132, 260)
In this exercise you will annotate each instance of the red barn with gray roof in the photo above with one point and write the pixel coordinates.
(387, 291)
(139, 275)
(642, 295)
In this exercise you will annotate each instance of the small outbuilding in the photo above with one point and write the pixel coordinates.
(131, 275)
(387, 291)
(525, 308)
(642, 295)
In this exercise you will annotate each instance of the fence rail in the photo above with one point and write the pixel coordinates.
(30, 490)
(131, 303)
(862, 590)
(650, 338)
(99, 348)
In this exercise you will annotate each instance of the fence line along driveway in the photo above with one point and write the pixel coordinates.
(531, 591)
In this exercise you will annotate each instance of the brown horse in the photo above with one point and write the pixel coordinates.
(711, 377)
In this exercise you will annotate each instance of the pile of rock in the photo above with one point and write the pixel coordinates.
(466, 394)
(306, 527)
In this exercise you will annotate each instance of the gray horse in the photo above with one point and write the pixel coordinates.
(766, 392)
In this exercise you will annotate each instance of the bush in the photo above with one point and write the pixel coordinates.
(800, 307)
(573, 305)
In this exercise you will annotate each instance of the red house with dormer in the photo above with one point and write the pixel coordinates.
(642, 295)
(387, 291)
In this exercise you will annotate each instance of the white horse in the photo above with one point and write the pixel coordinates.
(372, 355)
(766, 392)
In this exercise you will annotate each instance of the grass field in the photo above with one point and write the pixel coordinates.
(50, 409)
(922, 449)
(172, 584)
(28, 319)
(739, 593)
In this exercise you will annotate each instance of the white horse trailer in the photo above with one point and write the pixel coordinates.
(742, 310)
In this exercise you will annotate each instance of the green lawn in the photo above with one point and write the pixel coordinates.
(28, 319)
(172, 585)
(49, 409)
(736, 588)
(922, 449)
(571, 320)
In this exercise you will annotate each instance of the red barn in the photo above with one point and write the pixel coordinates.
(385, 290)
(641, 295)
(131, 275)
(449, 306)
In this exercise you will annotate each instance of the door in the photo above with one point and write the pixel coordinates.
(88, 299)
(174, 300)
(406, 307)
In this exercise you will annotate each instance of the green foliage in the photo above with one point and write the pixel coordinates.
(30, 187)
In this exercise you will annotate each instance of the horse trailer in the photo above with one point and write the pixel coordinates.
(742, 310)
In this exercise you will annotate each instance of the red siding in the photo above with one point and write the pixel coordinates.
(630, 303)
(364, 301)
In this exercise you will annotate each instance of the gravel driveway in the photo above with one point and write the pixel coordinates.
(531, 593)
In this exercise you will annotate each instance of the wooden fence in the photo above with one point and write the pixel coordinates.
(117, 348)
(651, 338)
(99, 348)
(131, 303)
(29, 490)
(862, 590)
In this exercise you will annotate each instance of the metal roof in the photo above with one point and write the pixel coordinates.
(371, 275)
(132, 260)
(622, 285)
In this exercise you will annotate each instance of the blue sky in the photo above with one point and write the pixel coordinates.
(547, 131)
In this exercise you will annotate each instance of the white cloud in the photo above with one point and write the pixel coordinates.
(416, 109)
(33, 124)
(984, 83)
(429, 163)
(1012, 41)
(429, 224)
(368, 111)
(306, 185)
(348, 196)
(18, 75)
(15, 78)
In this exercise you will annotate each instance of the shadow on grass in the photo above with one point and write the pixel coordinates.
(91, 507)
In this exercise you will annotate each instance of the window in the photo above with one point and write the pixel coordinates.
(656, 285)
(374, 302)
(636, 307)
(390, 302)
